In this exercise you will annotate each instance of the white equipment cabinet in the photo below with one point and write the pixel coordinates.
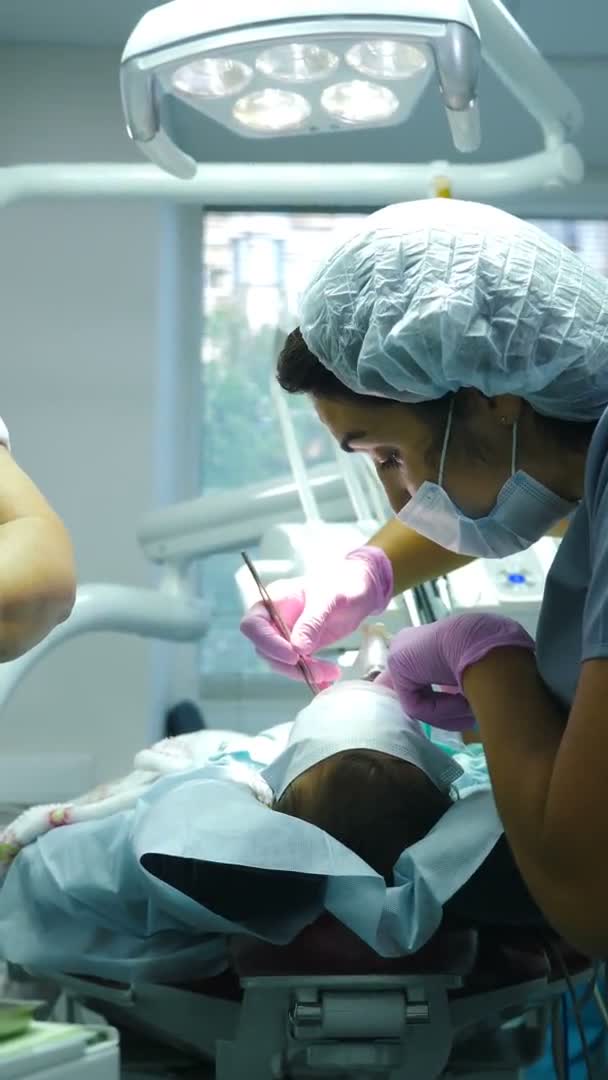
(512, 586)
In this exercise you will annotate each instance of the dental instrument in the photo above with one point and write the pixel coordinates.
(275, 617)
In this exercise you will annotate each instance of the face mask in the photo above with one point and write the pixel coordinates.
(524, 511)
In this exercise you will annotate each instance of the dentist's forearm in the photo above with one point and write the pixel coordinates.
(522, 729)
(414, 558)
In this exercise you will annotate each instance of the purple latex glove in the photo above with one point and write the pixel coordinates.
(421, 657)
(319, 611)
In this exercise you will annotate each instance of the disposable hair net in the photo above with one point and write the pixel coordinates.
(431, 296)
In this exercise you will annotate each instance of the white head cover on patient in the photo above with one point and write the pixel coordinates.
(357, 716)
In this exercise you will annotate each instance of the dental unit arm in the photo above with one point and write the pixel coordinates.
(122, 609)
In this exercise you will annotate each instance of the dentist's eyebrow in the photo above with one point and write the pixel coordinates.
(351, 436)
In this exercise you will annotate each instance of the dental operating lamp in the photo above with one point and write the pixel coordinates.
(306, 67)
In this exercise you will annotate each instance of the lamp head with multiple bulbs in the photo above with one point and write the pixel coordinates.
(295, 68)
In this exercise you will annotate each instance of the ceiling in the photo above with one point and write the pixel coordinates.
(577, 45)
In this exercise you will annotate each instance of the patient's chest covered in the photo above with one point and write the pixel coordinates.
(152, 890)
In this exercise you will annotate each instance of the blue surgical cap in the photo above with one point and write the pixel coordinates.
(431, 296)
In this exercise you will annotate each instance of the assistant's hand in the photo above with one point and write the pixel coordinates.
(421, 657)
(319, 611)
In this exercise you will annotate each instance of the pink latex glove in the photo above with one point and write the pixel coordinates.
(319, 611)
(421, 657)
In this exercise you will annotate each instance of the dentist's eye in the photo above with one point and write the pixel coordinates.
(389, 461)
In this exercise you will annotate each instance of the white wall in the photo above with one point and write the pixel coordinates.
(78, 308)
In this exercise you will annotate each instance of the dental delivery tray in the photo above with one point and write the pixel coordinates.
(47, 1051)
(16, 1017)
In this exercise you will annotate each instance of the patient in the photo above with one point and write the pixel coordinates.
(373, 803)
(350, 764)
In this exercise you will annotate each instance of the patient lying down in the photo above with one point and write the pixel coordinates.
(351, 764)
(373, 803)
(220, 833)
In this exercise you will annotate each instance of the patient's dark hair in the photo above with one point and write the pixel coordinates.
(373, 803)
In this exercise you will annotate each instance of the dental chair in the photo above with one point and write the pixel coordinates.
(475, 1001)
(471, 1003)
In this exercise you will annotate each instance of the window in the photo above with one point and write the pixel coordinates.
(255, 268)
(586, 238)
